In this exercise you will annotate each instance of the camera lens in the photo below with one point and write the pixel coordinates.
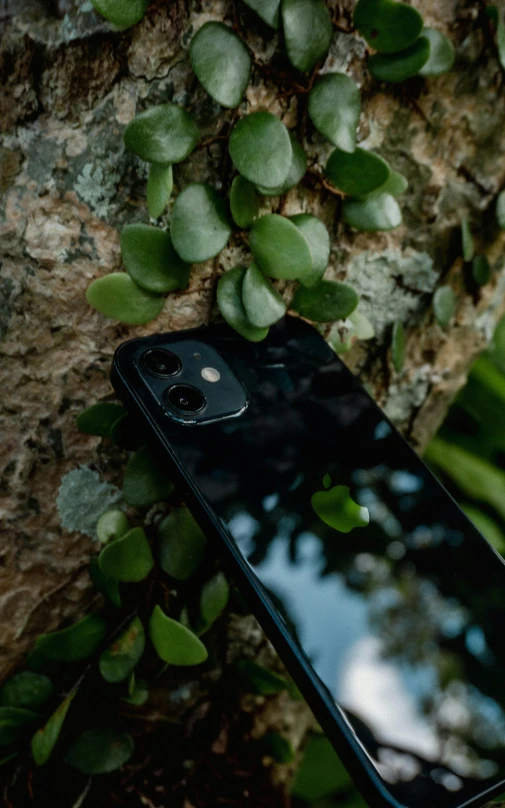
(162, 363)
(185, 398)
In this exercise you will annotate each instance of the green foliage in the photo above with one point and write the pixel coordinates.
(442, 54)
(467, 243)
(181, 544)
(500, 210)
(372, 214)
(44, 740)
(107, 586)
(258, 679)
(296, 171)
(76, 642)
(244, 202)
(127, 559)
(400, 66)
(200, 225)
(320, 772)
(487, 527)
(496, 17)
(145, 480)
(119, 297)
(221, 62)
(335, 106)
(27, 689)
(174, 643)
(318, 239)
(444, 305)
(112, 525)
(481, 270)
(396, 184)
(307, 31)
(279, 248)
(386, 25)
(260, 148)
(160, 184)
(229, 298)
(99, 751)
(357, 173)
(214, 598)
(99, 418)
(13, 721)
(121, 13)
(263, 304)
(398, 346)
(162, 134)
(119, 660)
(278, 747)
(329, 300)
(139, 693)
(268, 10)
(150, 259)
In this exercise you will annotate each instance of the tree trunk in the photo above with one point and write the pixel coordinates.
(70, 85)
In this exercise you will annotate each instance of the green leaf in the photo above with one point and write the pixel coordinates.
(279, 248)
(214, 598)
(444, 305)
(442, 55)
(99, 751)
(200, 225)
(375, 213)
(181, 544)
(387, 26)
(44, 740)
(162, 134)
(145, 480)
(13, 721)
(278, 747)
(230, 302)
(174, 643)
(112, 525)
(159, 188)
(151, 260)
(263, 304)
(121, 13)
(496, 17)
(320, 772)
(481, 270)
(395, 185)
(268, 10)
(221, 62)
(103, 583)
(244, 202)
(260, 148)
(26, 689)
(139, 695)
(76, 642)
(398, 346)
(307, 31)
(363, 328)
(99, 418)
(127, 559)
(122, 656)
(334, 107)
(296, 172)
(119, 297)
(357, 173)
(7, 758)
(318, 239)
(487, 526)
(397, 67)
(500, 210)
(467, 243)
(328, 301)
(257, 679)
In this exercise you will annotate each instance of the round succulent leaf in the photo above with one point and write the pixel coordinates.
(162, 134)
(397, 67)
(296, 172)
(200, 225)
(181, 544)
(127, 559)
(139, 694)
(112, 525)
(44, 740)
(119, 297)
(230, 302)
(268, 10)
(261, 150)
(160, 185)
(26, 689)
(500, 210)
(244, 202)
(118, 661)
(357, 173)
(150, 259)
(76, 642)
(334, 107)
(13, 721)
(361, 325)
(99, 751)
(318, 239)
(442, 54)
(396, 185)
(258, 679)
(121, 13)
(376, 213)
(398, 346)
(278, 747)
(103, 583)
(481, 270)
(263, 304)
(221, 62)
(145, 479)
(279, 248)
(308, 31)
(444, 305)
(174, 643)
(214, 598)
(328, 301)
(467, 242)
(99, 418)
(386, 25)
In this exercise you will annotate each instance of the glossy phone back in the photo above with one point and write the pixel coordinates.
(384, 601)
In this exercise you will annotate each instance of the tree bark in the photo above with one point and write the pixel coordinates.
(70, 87)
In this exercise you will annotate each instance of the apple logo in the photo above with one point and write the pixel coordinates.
(337, 508)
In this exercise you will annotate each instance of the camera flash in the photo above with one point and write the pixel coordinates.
(211, 374)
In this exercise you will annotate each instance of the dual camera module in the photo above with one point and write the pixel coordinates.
(184, 398)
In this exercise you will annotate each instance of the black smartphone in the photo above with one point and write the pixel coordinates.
(383, 600)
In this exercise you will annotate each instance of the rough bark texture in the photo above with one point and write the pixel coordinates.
(70, 85)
